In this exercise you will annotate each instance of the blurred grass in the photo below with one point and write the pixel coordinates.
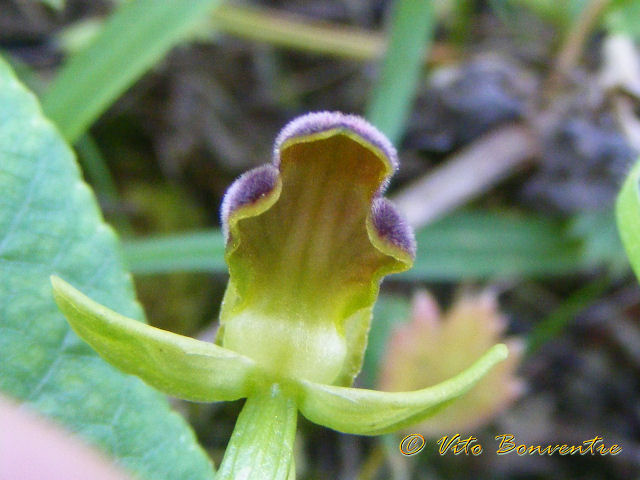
(388, 312)
(560, 14)
(180, 302)
(285, 30)
(620, 16)
(95, 169)
(131, 41)
(482, 245)
(201, 251)
(54, 4)
(553, 324)
(468, 245)
(412, 27)
(274, 27)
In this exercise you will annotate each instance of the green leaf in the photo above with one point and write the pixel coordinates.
(412, 26)
(628, 216)
(50, 223)
(370, 412)
(134, 39)
(621, 18)
(177, 365)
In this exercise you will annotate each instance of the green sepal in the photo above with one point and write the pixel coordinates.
(370, 412)
(628, 217)
(174, 364)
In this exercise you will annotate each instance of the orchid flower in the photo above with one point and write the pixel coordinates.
(309, 238)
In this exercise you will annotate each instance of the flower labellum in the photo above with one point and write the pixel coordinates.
(309, 238)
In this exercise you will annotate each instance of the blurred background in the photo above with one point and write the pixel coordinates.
(515, 121)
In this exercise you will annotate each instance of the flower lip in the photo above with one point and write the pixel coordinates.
(309, 238)
(318, 122)
(391, 226)
(248, 189)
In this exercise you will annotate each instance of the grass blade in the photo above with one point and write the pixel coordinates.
(134, 39)
(468, 245)
(554, 324)
(412, 26)
(481, 244)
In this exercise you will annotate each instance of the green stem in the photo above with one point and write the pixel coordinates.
(261, 446)
(291, 31)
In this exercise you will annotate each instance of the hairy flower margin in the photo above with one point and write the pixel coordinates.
(309, 238)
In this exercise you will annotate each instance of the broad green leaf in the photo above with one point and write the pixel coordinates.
(134, 39)
(628, 216)
(371, 412)
(412, 26)
(50, 223)
(174, 364)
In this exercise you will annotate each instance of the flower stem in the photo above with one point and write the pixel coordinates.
(261, 445)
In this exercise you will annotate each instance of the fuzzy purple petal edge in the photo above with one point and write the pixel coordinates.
(391, 225)
(316, 122)
(247, 189)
